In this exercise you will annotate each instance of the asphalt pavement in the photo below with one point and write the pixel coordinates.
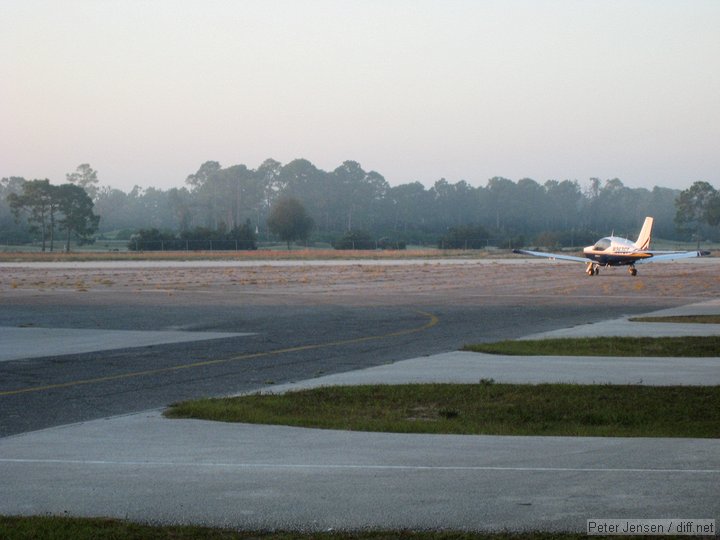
(144, 467)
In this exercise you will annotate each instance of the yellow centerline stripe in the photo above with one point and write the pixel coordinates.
(432, 322)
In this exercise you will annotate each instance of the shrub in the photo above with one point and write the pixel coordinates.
(200, 238)
(465, 237)
(355, 240)
(387, 243)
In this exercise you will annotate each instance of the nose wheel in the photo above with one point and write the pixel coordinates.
(633, 271)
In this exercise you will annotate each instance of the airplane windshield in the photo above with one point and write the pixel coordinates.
(602, 244)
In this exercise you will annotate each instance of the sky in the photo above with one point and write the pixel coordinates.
(145, 91)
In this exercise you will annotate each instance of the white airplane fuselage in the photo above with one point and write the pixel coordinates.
(615, 251)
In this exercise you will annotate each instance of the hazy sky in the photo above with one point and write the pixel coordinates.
(146, 91)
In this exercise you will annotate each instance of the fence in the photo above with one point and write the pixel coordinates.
(190, 245)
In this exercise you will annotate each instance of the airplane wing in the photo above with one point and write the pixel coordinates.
(673, 256)
(552, 256)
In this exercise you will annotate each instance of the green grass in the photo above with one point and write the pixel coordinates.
(69, 528)
(485, 408)
(692, 346)
(697, 319)
(62, 528)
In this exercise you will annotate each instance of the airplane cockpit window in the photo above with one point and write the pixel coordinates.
(602, 244)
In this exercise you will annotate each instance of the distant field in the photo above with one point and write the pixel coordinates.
(260, 254)
(110, 249)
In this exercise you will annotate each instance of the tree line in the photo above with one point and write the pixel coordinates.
(348, 204)
(66, 207)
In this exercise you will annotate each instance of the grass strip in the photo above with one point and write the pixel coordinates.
(260, 255)
(485, 408)
(686, 346)
(695, 319)
(70, 528)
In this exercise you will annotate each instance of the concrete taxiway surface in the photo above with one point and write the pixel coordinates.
(144, 467)
(468, 368)
(20, 343)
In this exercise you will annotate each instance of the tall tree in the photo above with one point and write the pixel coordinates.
(563, 201)
(410, 206)
(529, 206)
(623, 202)
(357, 193)
(661, 205)
(85, 177)
(205, 191)
(289, 220)
(696, 206)
(76, 208)
(712, 212)
(10, 229)
(267, 178)
(454, 204)
(501, 196)
(239, 194)
(203, 174)
(38, 200)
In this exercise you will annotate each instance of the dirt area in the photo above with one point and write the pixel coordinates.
(358, 283)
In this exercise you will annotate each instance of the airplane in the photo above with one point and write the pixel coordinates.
(616, 251)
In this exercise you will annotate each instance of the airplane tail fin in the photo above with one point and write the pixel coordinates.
(643, 241)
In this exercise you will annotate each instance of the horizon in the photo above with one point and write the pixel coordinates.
(145, 92)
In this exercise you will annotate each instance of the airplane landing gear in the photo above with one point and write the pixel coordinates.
(592, 269)
(633, 271)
